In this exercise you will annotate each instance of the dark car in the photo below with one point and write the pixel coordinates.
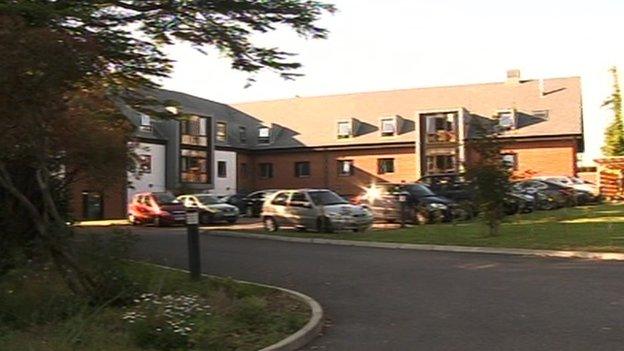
(237, 200)
(456, 187)
(421, 205)
(255, 200)
(158, 208)
(548, 195)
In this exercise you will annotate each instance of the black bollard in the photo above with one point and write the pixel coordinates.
(192, 231)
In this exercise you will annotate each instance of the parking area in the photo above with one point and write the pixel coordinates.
(251, 224)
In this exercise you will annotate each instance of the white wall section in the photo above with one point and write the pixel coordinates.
(225, 185)
(152, 176)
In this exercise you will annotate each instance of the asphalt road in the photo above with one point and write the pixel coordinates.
(378, 299)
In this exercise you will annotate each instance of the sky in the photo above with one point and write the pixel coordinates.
(395, 44)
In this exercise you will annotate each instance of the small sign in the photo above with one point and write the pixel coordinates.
(192, 217)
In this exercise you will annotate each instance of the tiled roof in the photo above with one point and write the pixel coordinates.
(312, 121)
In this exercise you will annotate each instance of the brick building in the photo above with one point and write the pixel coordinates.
(345, 142)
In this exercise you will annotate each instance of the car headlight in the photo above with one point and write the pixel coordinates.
(437, 206)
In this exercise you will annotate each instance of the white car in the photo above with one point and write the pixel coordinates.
(573, 182)
(316, 209)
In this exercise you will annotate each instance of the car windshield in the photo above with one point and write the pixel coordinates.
(326, 198)
(165, 198)
(419, 190)
(207, 199)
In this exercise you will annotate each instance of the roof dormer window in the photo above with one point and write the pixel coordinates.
(345, 129)
(507, 119)
(389, 126)
(264, 135)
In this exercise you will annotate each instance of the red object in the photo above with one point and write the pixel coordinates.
(156, 208)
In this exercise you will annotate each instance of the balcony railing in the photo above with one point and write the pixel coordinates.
(194, 177)
(188, 139)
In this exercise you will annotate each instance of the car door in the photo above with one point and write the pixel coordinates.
(301, 211)
(278, 208)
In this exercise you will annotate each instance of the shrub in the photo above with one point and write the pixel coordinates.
(165, 322)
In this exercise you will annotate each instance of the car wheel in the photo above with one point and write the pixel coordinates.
(270, 224)
(206, 218)
(420, 217)
(323, 225)
(232, 220)
(157, 222)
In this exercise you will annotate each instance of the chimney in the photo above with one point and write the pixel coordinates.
(513, 76)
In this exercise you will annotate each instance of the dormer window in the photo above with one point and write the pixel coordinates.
(264, 135)
(507, 119)
(389, 126)
(345, 129)
(146, 123)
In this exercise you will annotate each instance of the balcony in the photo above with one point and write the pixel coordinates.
(195, 140)
(194, 177)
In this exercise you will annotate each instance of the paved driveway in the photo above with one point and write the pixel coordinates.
(377, 299)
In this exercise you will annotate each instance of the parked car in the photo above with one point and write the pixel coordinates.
(158, 208)
(210, 208)
(237, 200)
(573, 182)
(586, 192)
(549, 195)
(255, 200)
(316, 209)
(453, 186)
(421, 204)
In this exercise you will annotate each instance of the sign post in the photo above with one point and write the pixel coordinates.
(192, 231)
(402, 200)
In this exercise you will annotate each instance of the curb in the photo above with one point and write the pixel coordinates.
(295, 341)
(612, 256)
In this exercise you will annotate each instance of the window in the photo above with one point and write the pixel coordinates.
(510, 161)
(345, 129)
(388, 127)
(264, 135)
(302, 169)
(221, 131)
(193, 166)
(543, 114)
(299, 200)
(506, 119)
(280, 199)
(440, 127)
(266, 170)
(437, 164)
(221, 169)
(194, 131)
(385, 165)
(345, 168)
(146, 123)
(242, 134)
(145, 164)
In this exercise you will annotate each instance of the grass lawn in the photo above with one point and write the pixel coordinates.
(37, 312)
(586, 228)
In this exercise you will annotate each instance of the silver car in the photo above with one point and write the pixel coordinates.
(316, 209)
(210, 208)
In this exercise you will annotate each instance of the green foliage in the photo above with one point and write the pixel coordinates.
(489, 174)
(614, 134)
(103, 258)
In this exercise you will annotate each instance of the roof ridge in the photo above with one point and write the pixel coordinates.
(391, 90)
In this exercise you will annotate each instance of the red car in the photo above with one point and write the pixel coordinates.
(157, 208)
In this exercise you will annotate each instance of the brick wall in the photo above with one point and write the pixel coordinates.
(324, 168)
(556, 157)
(113, 198)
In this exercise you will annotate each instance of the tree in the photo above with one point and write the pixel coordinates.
(614, 135)
(489, 173)
(64, 65)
